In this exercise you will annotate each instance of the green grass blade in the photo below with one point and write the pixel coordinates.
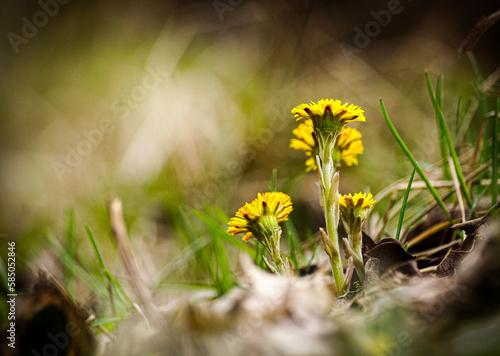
(313, 246)
(296, 250)
(186, 226)
(274, 178)
(69, 236)
(225, 280)
(202, 256)
(102, 321)
(86, 277)
(421, 173)
(215, 225)
(440, 89)
(479, 196)
(182, 260)
(292, 230)
(483, 104)
(95, 248)
(405, 201)
(225, 277)
(449, 142)
(441, 134)
(478, 85)
(457, 118)
(494, 175)
(221, 215)
(117, 286)
(109, 276)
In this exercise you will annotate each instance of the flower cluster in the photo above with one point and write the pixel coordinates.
(327, 143)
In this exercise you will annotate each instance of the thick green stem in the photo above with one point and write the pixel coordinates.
(330, 202)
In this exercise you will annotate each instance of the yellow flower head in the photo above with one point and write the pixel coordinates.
(261, 216)
(347, 147)
(356, 206)
(306, 141)
(329, 115)
(353, 212)
(359, 200)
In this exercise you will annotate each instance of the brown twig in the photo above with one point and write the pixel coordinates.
(428, 269)
(122, 240)
(432, 230)
(489, 82)
(478, 31)
(437, 249)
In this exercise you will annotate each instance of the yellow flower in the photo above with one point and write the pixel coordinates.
(353, 212)
(348, 145)
(260, 218)
(306, 141)
(329, 109)
(356, 206)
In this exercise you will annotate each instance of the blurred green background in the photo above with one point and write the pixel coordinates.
(170, 103)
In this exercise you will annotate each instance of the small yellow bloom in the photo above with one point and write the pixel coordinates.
(348, 145)
(305, 137)
(353, 212)
(306, 141)
(261, 216)
(357, 206)
(324, 108)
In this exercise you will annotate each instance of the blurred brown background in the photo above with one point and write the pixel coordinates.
(168, 103)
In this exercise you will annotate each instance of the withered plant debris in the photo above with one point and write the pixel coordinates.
(48, 321)
(393, 257)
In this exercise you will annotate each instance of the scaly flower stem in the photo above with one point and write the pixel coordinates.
(329, 189)
(357, 261)
(270, 238)
(353, 212)
(356, 239)
(274, 251)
